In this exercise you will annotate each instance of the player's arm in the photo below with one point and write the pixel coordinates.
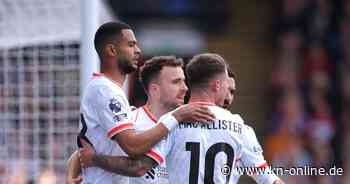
(114, 114)
(117, 164)
(252, 156)
(73, 169)
(136, 144)
(124, 165)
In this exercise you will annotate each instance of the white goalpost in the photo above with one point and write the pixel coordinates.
(46, 58)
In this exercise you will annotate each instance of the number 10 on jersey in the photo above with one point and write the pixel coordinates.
(194, 148)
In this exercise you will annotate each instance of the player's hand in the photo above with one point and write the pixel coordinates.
(193, 112)
(73, 169)
(76, 180)
(86, 154)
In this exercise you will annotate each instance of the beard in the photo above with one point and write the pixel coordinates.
(126, 66)
(169, 104)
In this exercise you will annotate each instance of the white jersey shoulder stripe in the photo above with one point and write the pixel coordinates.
(114, 131)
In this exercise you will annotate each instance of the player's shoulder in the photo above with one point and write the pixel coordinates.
(103, 87)
(218, 110)
(221, 112)
(238, 118)
(250, 140)
(100, 92)
(248, 132)
(98, 81)
(249, 129)
(102, 83)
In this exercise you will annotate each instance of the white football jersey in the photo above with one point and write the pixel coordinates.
(234, 173)
(145, 120)
(252, 157)
(105, 112)
(198, 153)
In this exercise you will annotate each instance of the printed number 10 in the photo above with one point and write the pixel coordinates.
(194, 148)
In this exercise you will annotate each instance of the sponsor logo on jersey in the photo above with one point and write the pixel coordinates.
(156, 172)
(119, 117)
(150, 174)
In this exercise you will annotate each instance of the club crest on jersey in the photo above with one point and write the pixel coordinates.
(115, 106)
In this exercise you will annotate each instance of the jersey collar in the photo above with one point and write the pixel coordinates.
(149, 113)
(202, 103)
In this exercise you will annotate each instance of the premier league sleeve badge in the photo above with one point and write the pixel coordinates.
(115, 106)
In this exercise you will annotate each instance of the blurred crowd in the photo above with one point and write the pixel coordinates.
(310, 88)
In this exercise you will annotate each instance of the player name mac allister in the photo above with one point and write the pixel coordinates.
(218, 125)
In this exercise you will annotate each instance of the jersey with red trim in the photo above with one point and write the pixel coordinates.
(252, 157)
(106, 112)
(206, 153)
(145, 120)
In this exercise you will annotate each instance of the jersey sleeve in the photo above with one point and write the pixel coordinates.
(114, 111)
(159, 152)
(252, 157)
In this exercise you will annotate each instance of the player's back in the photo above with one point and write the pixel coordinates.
(205, 153)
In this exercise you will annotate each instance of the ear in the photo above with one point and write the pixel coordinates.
(111, 50)
(215, 85)
(153, 89)
(218, 84)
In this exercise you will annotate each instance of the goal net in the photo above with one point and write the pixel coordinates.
(39, 88)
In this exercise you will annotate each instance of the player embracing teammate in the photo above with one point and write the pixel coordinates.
(193, 152)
